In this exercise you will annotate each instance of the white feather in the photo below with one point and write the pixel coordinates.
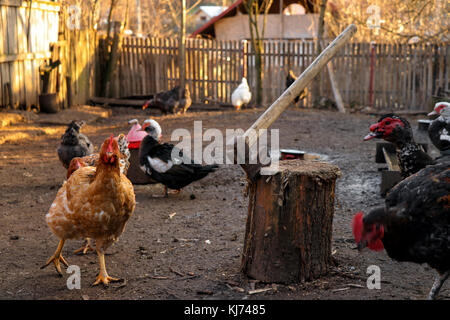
(156, 126)
(241, 95)
(159, 165)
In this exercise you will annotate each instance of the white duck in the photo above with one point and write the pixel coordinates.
(241, 95)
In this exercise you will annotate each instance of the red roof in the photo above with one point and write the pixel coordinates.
(208, 28)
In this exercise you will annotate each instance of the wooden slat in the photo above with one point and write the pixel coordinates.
(403, 74)
(391, 160)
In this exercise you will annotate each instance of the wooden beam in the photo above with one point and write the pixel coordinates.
(391, 160)
(36, 4)
(24, 56)
(334, 87)
(274, 111)
(118, 102)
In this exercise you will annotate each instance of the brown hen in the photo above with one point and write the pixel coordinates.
(93, 203)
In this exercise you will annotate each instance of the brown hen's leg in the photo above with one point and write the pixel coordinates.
(87, 247)
(57, 256)
(103, 276)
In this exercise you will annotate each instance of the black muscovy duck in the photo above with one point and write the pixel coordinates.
(155, 159)
(397, 130)
(439, 129)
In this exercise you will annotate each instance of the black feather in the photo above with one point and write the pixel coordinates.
(416, 217)
(183, 171)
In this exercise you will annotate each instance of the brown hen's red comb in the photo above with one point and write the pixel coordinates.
(109, 149)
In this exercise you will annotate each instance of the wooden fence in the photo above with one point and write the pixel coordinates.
(31, 37)
(384, 76)
(149, 65)
(25, 37)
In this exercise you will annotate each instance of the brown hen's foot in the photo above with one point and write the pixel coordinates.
(56, 258)
(103, 276)
(105, 279)
(87, 247)
(174, 191)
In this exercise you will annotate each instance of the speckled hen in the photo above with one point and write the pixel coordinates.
(92, 159)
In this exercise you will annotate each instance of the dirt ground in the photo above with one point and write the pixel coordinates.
(184, 248)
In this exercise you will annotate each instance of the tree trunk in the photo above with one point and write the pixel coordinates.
(320, 31)
(182, 48)
(289, 224)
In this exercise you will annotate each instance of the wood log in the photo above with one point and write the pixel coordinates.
(289, 224)
(118, 102)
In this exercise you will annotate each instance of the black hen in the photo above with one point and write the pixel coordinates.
(290, 79)
(414, 225)
(156, 160)
(397, 130)
(74, 144)
(172, 101)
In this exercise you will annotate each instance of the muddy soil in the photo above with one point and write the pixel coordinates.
(189, 246)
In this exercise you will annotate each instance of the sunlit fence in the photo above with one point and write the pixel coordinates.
(25, 37)
(384, 76)
(41, 39)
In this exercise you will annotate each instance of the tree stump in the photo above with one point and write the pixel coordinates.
(289, 224)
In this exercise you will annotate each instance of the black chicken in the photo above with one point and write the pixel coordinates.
(439, 129)
(397, 130)
(172, 101)
(74, 144)
(414, 224)
(290, 79)
(156, 160)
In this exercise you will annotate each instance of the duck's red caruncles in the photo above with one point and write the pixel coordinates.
(397, 130)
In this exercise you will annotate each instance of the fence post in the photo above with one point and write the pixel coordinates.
(244, 59)
(372, 63)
